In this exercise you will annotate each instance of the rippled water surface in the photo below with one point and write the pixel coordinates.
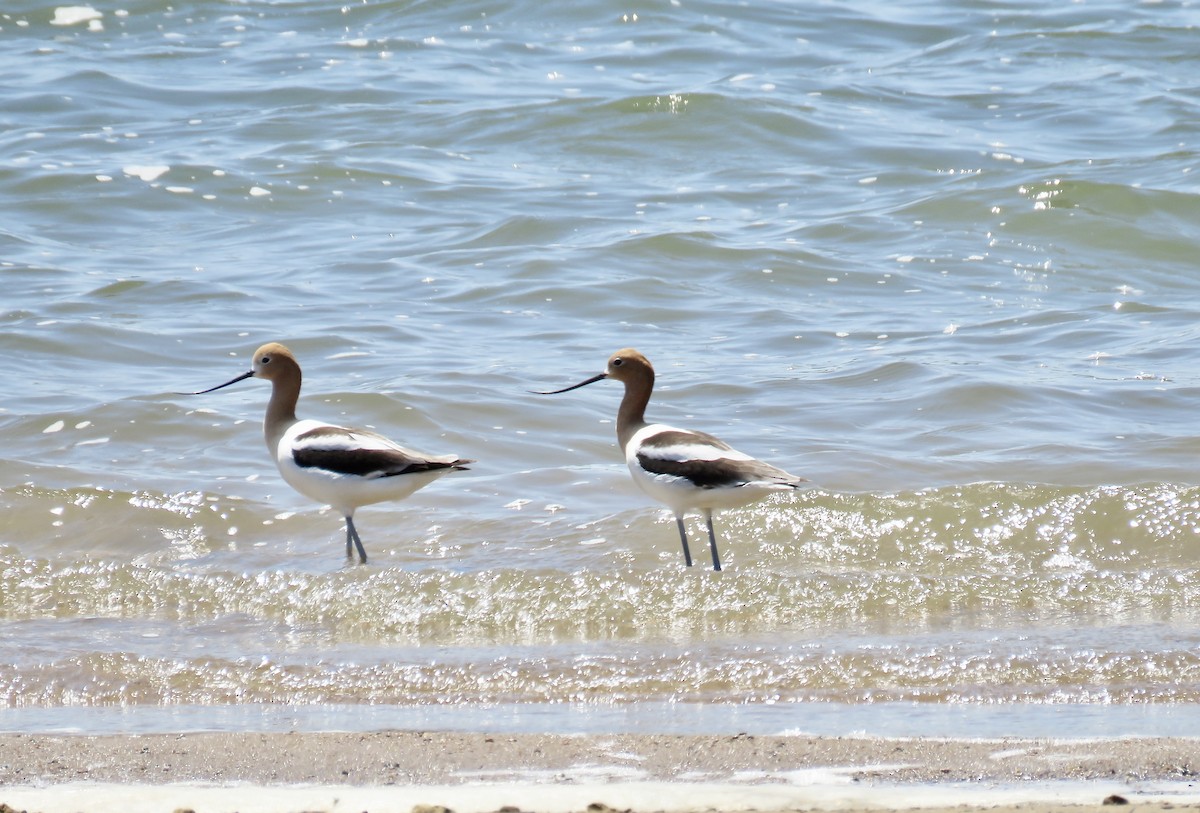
(938, 259)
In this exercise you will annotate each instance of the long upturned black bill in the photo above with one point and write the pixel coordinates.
(241, 377)
(591, 380)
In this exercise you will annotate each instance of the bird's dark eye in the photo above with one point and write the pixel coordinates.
(617, 362)
(265, 360)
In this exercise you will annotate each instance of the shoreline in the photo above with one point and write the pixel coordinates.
(549, 773)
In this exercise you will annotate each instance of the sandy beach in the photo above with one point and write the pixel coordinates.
(481, 773)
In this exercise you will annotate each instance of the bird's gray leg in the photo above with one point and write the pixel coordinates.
(687, 554)
(352, 538)
(712, 540)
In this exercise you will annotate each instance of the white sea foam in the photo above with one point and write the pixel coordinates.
(567, 795)
(147, 172)
(74, 15)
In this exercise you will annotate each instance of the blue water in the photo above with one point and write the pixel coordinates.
(938, 259)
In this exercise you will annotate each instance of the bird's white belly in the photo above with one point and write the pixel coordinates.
(680, 494)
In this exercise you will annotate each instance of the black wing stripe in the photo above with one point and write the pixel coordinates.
(701, 473)
(722, 473)
(363, 462)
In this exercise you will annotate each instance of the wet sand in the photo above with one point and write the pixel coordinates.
(479, 773)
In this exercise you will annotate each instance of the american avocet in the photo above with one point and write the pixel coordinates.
(681, 468)
(341, 467)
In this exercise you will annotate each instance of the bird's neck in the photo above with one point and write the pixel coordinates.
(281, 410)
(631, 417)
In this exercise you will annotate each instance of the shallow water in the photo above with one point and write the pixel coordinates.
(939, 260)
(954, 721)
